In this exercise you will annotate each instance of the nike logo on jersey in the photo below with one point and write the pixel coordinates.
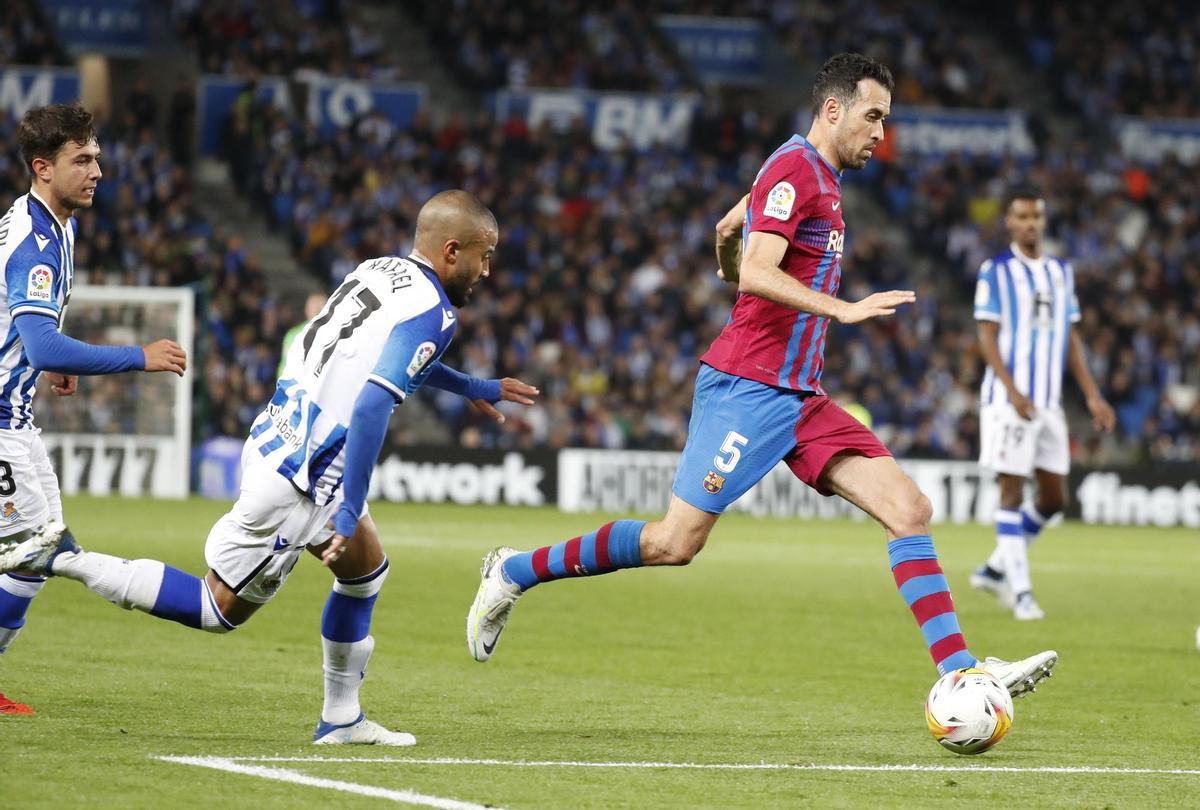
(837, 205)
(42, 241)
(447, 319)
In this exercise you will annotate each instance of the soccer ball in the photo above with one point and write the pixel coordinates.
(968, 711)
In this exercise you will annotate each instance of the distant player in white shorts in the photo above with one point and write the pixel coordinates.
(37, 259)
(1025, 304)
(307, 464)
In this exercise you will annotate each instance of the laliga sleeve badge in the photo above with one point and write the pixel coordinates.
(780, 201)
(41, 283)
(713, 482)
(420, 357)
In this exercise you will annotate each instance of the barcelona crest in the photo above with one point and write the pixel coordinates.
(713, 482)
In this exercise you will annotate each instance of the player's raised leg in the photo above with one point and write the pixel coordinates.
(880, 488)
(347, 643)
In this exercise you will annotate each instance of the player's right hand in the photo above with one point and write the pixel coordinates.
(1023, 405)
(165, 355)
(875, 305)
(334, 551)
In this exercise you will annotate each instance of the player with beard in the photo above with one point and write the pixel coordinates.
(758, 395)
(307, 464)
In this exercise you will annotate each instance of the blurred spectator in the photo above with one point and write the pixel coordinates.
(283, 38)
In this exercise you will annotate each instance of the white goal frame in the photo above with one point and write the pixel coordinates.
(137, 464)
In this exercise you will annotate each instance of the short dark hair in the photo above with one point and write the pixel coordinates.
(45, 130)
(1025, 191)
(840, 75)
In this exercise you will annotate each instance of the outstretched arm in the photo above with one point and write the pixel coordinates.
(482, 393)
(761, 276)
(50, 350)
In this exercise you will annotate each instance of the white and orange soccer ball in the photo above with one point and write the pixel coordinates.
(968, 711)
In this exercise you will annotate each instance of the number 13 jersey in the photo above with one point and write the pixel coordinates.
(385, 325)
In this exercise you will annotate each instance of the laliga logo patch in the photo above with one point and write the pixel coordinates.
(41, 279)
(713, 482)
(780, 201)
(421, 357)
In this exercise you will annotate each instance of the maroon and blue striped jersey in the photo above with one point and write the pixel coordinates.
(797, 194)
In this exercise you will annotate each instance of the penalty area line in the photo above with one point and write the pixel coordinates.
(737, 766)
(296, 778)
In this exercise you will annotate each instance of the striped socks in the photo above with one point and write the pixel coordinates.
(923, 586)
(613, 546)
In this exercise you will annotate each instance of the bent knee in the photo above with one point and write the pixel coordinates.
(678, 548)
(911, 516)
(681, 552)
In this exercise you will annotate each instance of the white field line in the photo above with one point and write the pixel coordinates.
(284, 775)
(735, 766)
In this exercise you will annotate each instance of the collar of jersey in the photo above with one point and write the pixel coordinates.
(49, 210)
(422, 262)
(804, 142)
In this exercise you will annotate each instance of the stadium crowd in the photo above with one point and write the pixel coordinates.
(283, 38)
(1112, 58)
(490, 44)
(604, 293)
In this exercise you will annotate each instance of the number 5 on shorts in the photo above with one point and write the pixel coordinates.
(731, 451)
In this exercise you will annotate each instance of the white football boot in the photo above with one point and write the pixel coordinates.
(35, 552)
(493, 602)
(361, 732)
(983, 580)
(1021, 677)
(1026, 608)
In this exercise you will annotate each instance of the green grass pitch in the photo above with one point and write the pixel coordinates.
(785, 642)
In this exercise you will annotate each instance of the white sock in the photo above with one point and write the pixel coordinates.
(1010, 544)
(345, 667)
(145, 585)
(127, 583)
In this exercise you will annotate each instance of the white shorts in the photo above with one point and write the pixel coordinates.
(29, 493)
(256, 544)
(1015, 446)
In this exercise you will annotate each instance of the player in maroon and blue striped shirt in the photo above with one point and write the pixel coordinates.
(758, 398)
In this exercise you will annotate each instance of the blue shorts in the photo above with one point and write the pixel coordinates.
(740, 429)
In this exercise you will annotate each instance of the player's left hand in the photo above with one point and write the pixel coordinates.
(1103, 417)
(335, 549)
(511, 390)
(63, 385)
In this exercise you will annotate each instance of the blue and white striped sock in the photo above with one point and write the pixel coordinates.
(16, 594)
(347, 644)
(1032, 523)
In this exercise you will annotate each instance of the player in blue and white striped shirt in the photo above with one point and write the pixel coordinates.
(307, 464)
(1025, 305)
(37, 263)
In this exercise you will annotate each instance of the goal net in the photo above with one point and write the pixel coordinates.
(127, 434)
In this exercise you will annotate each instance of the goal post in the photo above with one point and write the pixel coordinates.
(124, 434)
